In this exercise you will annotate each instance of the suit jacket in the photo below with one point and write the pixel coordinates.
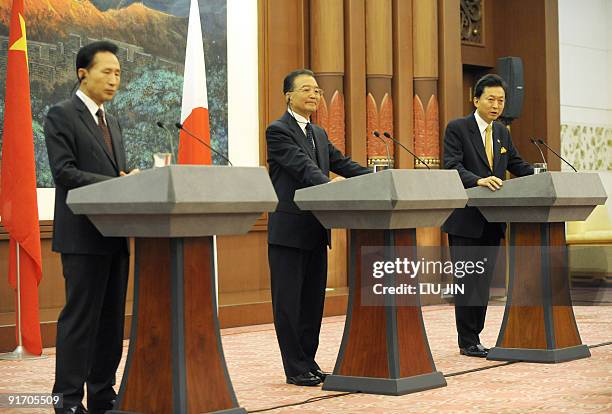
(78, 156)
(464, 151)
(294, 165)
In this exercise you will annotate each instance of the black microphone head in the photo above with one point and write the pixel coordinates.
(533, 141)
(387, 134)
(160, 124)
(376, 134)
(178, 125)
(540, 141)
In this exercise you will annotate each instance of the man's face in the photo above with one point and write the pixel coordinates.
(305, 96)
(490, 105)
(101, 81)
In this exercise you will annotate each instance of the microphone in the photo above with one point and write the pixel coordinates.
(541, 141)
(534, 142)
(386, 134)
(377, 135)
(170, 137)
(178, 125)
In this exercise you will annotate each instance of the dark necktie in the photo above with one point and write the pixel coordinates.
(105, 132)
(310, 137)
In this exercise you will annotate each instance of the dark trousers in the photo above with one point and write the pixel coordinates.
(471, 307)
(298, 293)
(90, 328)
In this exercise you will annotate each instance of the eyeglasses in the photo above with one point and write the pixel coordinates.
(310, 89)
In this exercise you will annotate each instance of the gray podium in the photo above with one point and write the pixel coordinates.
(175, 361)
(384, 347)
(539, 323)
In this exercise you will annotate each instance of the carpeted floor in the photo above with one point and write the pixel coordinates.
(582, 386)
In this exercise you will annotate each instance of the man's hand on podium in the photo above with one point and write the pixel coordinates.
(338, 178)
(492, 183)
(132, 172)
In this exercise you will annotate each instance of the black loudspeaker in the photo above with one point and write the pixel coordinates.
(510, 68)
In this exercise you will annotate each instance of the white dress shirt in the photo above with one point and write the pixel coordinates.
(300, 120)
(91, 106)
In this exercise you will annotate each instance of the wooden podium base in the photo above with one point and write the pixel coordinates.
(384, 348)
(175, 361)
(539, 323)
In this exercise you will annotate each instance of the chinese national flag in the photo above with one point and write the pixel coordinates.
(18, 204)
(194, 111)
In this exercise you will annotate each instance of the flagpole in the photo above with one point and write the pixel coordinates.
(20, 353)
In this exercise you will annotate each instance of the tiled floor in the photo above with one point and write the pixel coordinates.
(582, 386)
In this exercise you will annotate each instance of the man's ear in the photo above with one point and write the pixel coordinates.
(288, 98)
(81, 74)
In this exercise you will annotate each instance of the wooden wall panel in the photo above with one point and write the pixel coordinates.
(283, 41)
(535, 38)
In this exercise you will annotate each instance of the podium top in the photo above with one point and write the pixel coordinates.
(546, 189)
(387, 190)
(177, 201)
(390, 199)
(179, 189)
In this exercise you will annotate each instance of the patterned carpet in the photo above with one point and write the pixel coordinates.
(582, 386)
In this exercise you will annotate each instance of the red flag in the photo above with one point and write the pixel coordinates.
(194, 111)
(18, 203)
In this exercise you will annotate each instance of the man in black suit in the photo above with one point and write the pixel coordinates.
(85, 146)
(481, 150)
(300, 155)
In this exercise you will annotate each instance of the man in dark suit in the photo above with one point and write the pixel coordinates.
(300, 155)
(481, 150)
(85, 146)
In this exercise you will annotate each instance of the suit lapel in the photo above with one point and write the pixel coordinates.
(117, 144)
(320, 145)
(95, 130)
(477, 140)
(497, 135)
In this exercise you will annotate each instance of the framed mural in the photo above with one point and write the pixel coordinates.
(151, 35)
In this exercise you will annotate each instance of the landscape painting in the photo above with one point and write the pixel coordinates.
(151, 35)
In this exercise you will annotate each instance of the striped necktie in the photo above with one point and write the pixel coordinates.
(105, 132)
(310, 137)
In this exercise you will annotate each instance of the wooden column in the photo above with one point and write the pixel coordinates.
(425, 108)
(449, 64)
(403, 81)
(426, 111)
(355, 79)
(327, 62)
(379, 73)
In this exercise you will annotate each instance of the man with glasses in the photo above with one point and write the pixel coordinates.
(300, 155)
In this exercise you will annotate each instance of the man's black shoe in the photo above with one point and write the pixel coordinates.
(76, 409)
(482, 348)
(319, 374)
(96, 408)
(306, 379)
(474, 351)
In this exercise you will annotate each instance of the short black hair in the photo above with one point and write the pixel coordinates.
(290, 78)
(488, 81)
(85, 56)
